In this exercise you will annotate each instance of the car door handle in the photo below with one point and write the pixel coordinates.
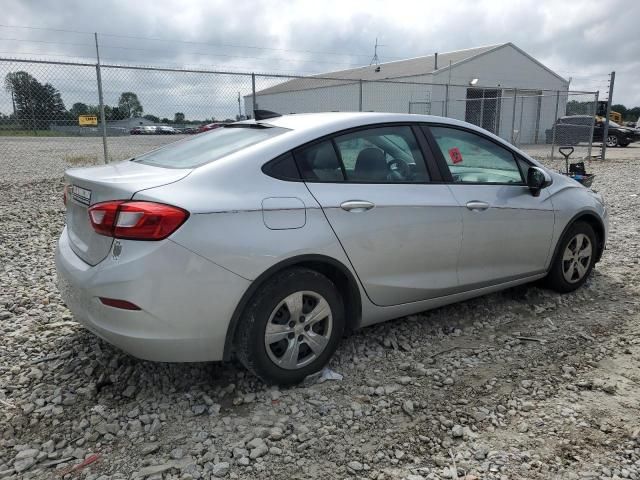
(477, 206)
(356, 206)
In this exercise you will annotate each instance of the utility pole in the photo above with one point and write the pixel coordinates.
(605, 134)
(101, 101)
(446, 93)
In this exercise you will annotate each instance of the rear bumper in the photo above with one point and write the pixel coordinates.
(186, 301)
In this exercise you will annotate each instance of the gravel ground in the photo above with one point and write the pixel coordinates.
(524, 384)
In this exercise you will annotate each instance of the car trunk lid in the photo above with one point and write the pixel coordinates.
(117, 181)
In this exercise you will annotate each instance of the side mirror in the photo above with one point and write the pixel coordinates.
(537, 179)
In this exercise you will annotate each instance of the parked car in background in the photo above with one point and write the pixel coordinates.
(209, 126)
(136, 131)
(190, 130)
(166, 130)
(267, 239)
(574, 129)
(149, 130)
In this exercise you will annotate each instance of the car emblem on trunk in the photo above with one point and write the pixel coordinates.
(81, 195)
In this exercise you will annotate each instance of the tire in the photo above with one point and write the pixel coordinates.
(612, 140)
(569, 271)
(270, 305)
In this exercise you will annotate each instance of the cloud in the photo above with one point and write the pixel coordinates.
(583, 40)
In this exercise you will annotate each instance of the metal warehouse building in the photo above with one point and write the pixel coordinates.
(479, 84)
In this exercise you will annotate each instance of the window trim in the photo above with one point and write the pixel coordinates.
(444, 167)
(331, 137)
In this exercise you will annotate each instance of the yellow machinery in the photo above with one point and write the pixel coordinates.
(602, 113)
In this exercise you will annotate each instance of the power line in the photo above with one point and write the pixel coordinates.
(116, 61)
(103, 46)
(224, 45)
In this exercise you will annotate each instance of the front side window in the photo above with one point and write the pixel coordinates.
(474, 159)
(209, 146)
(382, 155)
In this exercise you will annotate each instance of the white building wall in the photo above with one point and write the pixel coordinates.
(501, 70)
(335, 98)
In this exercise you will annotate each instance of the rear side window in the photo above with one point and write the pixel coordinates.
(319, 163)
(210, 146)
(282, 168)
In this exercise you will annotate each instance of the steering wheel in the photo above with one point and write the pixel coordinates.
(402, 170)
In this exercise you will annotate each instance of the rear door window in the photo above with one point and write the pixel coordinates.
(210, 146)
(382, 155)
(319, 163)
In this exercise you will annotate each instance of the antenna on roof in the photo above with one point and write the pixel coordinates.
(375, 60)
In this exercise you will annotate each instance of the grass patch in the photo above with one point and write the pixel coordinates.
(31, 133)
(80, 160)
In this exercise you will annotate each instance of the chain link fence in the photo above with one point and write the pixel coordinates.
(52, 109)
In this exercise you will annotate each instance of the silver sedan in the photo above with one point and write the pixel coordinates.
(267, 240)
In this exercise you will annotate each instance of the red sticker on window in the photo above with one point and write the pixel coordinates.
(456, 156)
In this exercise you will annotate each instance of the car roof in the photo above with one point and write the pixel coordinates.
(305, 127)
(336, 121)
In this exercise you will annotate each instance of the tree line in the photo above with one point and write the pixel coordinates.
(575, 107)
(36, 106)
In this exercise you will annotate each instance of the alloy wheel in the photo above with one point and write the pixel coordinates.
(612, 140)
(577, 258)
(298, 330)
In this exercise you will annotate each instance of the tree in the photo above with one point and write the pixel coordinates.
(152, 118)
(165, 120)
(621, 109)
(178, 117)
(129, 105)
(37, 105)
(78, 109)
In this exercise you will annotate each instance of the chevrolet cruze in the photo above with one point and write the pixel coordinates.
(267, 239)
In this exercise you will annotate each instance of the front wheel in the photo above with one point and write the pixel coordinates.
(612, 141)
(574, 260)
(291, 327)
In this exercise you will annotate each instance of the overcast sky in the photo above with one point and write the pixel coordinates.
(579, 39)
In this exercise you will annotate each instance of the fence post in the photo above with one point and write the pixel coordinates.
(101, 102)
(595, 110)
(253, 94)
(513, 117)
(553, 128)
(360, 98)
(33, 113)
(605, 134)
(446, 100)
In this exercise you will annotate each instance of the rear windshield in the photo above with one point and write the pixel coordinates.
(209, 146)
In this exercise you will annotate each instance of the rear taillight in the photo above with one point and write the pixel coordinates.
(136, 220)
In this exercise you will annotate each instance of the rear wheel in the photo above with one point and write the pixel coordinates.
(291, 327)
(575, 259)
(612, 141)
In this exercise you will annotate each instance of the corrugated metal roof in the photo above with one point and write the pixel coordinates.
(391, 70)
